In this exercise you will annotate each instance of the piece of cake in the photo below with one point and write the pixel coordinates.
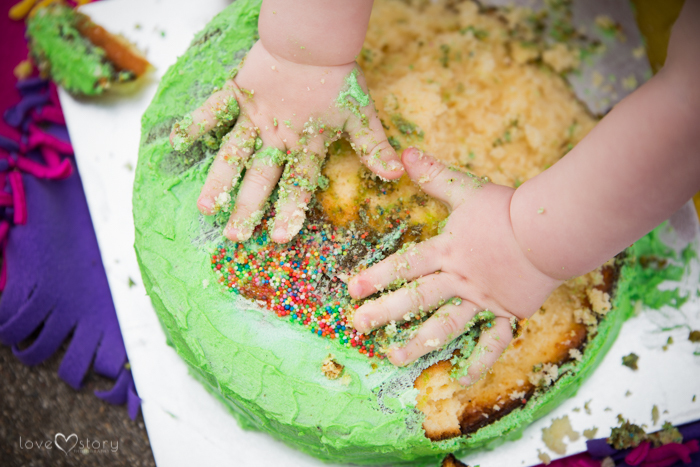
(78, 54)
(266, 328)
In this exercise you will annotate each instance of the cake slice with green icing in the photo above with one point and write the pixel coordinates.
(78, 54)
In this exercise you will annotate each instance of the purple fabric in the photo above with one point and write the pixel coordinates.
(53, 281)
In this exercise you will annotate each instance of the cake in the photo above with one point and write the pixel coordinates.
(78, 54)
(267, 328)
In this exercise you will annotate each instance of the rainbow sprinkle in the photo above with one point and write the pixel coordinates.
(300, 280)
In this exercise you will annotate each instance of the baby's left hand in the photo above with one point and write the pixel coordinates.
(476, 258)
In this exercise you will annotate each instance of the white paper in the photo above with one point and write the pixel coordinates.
(186, 425)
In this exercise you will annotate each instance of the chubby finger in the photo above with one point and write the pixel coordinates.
(422, 296)
(445, 183)
(418, 260)
(299, 181)
(492, 343)
(223, 174)
(257, 185)
(221, 108)
(445, 324)
(367, 137)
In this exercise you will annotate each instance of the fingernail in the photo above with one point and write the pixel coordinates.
(361, 323)
(231, 233)
(465, 381)
(280, 234)
(205, 204)
(355, 288)
(398, 357)
(410, 155)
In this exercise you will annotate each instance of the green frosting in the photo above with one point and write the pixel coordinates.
(265, 370)
(653, 263)
(352, 96)
(59, 50)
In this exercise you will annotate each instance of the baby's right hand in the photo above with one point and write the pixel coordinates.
(288, 113)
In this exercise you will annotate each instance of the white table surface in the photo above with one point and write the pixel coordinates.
(186, 425)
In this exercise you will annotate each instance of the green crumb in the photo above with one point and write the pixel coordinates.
(323, 182)
(229, 112)
(288, 123)
(445, 57)
(669, 342)
(394, 143)
(258, 144)
(353, 90)
(131, 282)
(404, 248)
(353, 97)
(274, 121)
(272, 156)
(627, 435)
(694, 336)
(651, 265)
(441, 226)
(406, 127)
(181, 138)
(668, 434)
(630, 361)
(479, 34)
(470, 352)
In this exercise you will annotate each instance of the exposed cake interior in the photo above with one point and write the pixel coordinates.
(465, 86)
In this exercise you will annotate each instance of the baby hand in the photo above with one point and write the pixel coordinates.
(288, 114)
(474, 264)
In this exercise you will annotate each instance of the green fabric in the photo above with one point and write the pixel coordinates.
(264, 369)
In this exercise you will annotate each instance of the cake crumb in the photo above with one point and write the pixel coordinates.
(331, 368)
(600, 301)
(561, 58)
(553, 436)
(544, 457)
(590, 433)
(607, 462)
(655, 414)
(451, 461)
(544, 374)
(575, 354)
(630, 361)
(23, 70)
(627, 435)
(694, 336)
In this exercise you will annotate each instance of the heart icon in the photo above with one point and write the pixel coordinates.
(66, 442)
